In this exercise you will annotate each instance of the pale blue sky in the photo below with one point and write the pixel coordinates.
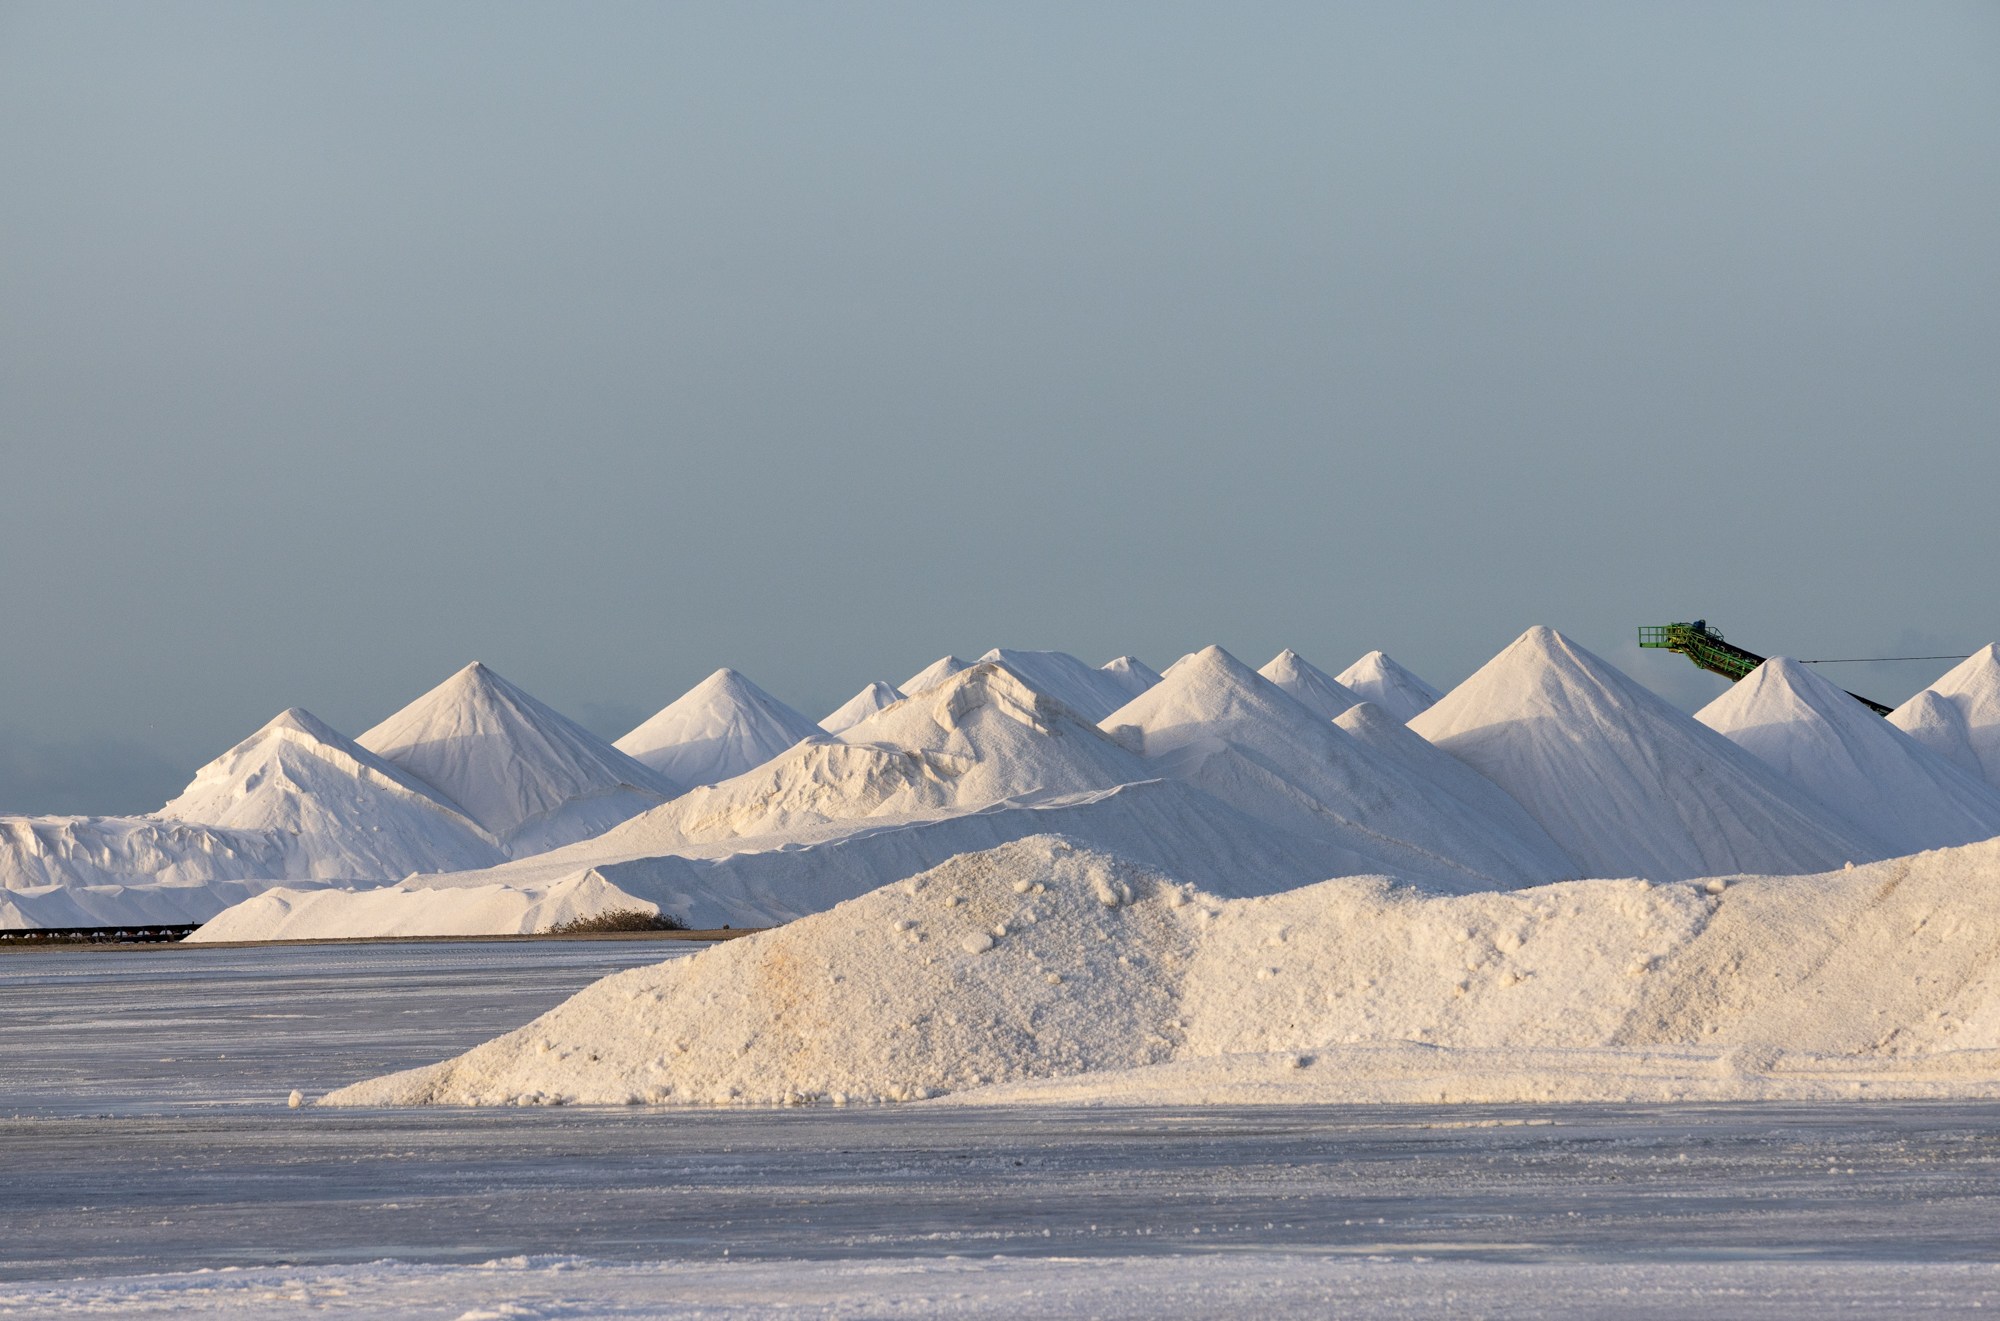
(342, 344)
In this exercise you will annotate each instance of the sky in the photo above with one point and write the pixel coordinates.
(608, 344)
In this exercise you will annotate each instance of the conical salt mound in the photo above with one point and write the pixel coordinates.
(356, 815)
(1973, 687)
(1852, 760)
(860, 706)
(1309, 685)
(1627, 784)
(1132, 674)
(1938, 724)
(1231, 732)
(527, 774)
(1377, 678)
(932, 675)
(1084, 689)
(719, 728)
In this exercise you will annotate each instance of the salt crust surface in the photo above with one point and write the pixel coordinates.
(1624, 782)
(1075, 976)
(1969, 732)
(860, 706)
(1378, 678)
(719, 728)
(1308, 685)
(1904, 795)
(529, 775)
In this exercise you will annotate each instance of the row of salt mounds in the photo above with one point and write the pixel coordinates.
(1091, 693)
(295, 801)
(859, 707)
(1039, 961)
(1229, 731)
(1819, 737)
(1310, 686)
(527, 774)
(1958, 717)
(720, 728)
(981, 760)
(1377, 678)
(1626, 783)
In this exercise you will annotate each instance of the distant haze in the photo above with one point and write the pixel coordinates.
(343, 344)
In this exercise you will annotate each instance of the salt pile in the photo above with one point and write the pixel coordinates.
(860, 706)
(1624, 782)
(1039, 961)
(1377, 678)
(528, 775)
(1132, 674)
(932, 675)
(1310, 686)
(350, 813)
(1236, 735)
(1872, 773)
(1091, 693)
(721, 727)
(1970, 729)
(491, 910)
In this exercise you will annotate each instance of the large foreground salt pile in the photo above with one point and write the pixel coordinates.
(1236, 735)
(721, 727)
(529, 775)
(1309, 685)
(1857, 763)
(1042, 961)
(1377, 678)
(1958, 717)
(1626, 783)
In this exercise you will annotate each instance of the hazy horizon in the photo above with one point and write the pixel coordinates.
(610, 345)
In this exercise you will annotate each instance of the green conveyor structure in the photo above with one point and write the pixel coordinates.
(1706, 647)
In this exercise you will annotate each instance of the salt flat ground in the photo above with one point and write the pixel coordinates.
(148, 1165)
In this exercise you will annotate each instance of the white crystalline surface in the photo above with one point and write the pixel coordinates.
(860, 706)
(1377, 678)
(1084, 689)
(1043, 971)
(494, 910)
(1624, 782)
(527, 774)
(1309, 685)
(1236, 735)
(1971, 689)
(932, 675)
(721, 727)
(1865, 768)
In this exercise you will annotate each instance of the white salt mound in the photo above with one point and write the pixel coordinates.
(1090, 692)
(1132, 674)
(721, 727)
(527, 774)
(1309, 685)
(1038, 961)
(1229, 731)
(345, 812)
(1627, 784)
(1377, 678)
(932, 675)
(860, 706)
(1972, 689)
(1853, 760)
